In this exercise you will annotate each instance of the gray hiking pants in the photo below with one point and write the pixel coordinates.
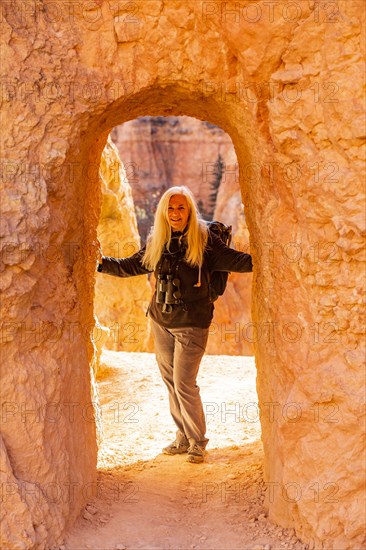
(179, 352)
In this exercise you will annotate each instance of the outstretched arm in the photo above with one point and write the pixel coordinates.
(124, 267)
(224, 258)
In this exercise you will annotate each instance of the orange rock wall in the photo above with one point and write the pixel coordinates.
(232, 331)
(120, 304)
(285, 82)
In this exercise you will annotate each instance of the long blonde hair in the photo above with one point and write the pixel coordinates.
(160, 234)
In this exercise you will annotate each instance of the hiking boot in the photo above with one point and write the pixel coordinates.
(178, 447)
(195, 453)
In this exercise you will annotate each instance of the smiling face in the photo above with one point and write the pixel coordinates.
(178, 212)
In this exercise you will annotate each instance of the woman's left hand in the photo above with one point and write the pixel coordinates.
(96, 244)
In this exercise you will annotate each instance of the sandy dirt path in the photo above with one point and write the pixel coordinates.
(147, 500)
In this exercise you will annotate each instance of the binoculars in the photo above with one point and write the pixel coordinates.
(167, 291)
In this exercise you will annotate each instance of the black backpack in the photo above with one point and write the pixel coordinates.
(218, 279)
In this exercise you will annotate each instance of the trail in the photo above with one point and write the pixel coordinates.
(147, 500)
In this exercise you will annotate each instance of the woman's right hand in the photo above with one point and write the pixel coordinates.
(99, 251)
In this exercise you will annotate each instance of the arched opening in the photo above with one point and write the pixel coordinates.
(221, 405)
(156, 153)
(161, 103)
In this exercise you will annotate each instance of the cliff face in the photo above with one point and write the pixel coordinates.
(285, 81)
(232, 331)
(120, 304)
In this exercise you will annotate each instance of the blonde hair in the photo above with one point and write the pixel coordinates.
(160, 234)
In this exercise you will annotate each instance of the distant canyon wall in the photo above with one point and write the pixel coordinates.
(159, 152)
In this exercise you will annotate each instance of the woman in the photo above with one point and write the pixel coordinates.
(182, 253)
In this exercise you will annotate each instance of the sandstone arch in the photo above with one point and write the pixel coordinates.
(74, 76)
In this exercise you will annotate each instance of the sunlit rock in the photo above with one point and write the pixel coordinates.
(68, 80)
(120, 303)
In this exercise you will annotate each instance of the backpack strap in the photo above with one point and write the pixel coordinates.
(224, 232)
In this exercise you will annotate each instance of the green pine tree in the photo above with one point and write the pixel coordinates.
(215, 184)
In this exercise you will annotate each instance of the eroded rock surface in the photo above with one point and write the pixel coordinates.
(120, 304)
(285, 82)
(232, 330)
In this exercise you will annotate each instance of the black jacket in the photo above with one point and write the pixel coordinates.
(196, 309)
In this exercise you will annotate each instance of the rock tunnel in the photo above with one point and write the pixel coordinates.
(283, 79)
